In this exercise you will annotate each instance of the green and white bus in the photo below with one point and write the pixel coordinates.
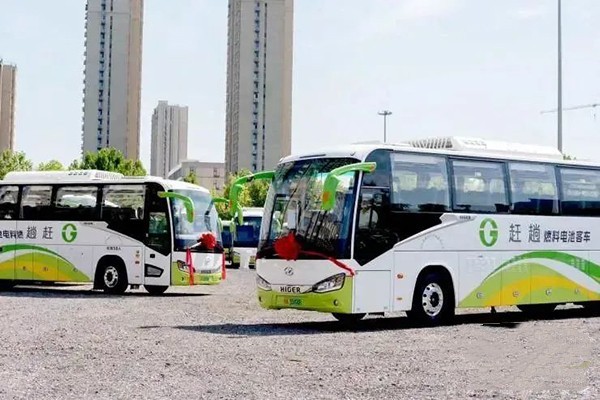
(428, 226)
(102, 227)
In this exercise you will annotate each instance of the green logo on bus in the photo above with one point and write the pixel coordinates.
(488, 232)
(69, 233)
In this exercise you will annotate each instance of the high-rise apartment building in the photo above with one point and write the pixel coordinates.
(169, 138)
(7, 105)
(113, 73)
(259, 83)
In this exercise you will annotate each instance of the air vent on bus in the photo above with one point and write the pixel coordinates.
(476, 145)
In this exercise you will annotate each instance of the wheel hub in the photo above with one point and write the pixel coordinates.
(111, 277)
(433, 299)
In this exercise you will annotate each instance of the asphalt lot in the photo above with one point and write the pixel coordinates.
(68, 342)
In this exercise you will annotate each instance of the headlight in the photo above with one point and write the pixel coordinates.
(262, 284)
(330, 284)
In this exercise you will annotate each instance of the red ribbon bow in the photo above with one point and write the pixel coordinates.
(288, 248)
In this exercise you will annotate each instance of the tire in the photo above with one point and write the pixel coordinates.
(348, 318)
(433, 301)
(155, 290)
(113, 277)
(537, 310)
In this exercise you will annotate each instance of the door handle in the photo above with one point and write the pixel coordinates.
(152, 255)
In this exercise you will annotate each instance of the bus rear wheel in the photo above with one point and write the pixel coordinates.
(155, 290)
(113, 278)
(348, 318)
(433, 301)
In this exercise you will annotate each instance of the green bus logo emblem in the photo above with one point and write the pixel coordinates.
(69, 233)
(488, 232)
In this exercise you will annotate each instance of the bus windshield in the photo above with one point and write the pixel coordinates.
(205, 219)
(247, 234)
(294, 205)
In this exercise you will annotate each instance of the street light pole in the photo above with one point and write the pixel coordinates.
(560, 110)
(385, 114)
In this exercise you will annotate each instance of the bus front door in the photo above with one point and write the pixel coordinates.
(157, 252)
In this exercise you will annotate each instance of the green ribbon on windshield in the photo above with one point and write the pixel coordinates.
(332, 181)
(238, 186)
(188, 203)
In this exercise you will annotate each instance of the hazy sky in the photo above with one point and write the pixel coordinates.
(443, 67)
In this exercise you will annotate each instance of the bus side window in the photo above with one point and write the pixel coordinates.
(76, 203)
(479, 186)
(8, 202)
(580, 192)
(36, 203)
(420, 183)
(534, 189)
(120, 209)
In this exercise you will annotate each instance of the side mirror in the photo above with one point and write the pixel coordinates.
(238, 186)
(332, 181)
(188, 203)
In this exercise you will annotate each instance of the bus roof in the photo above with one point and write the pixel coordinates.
(92, 176)
(459, 146)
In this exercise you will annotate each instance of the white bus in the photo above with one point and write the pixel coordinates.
(114, 231)
(429, 226)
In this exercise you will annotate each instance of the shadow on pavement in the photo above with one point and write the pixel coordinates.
(503, 320)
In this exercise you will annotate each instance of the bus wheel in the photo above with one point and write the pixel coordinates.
(348, 318)
(155, 290)
(433, 301)
(114, 278)
(537, 310)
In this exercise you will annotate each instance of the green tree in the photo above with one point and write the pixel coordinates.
(110, 159)
(568, 157)
(254, 194)
(13, 161)
(191, 178)
(52, 165)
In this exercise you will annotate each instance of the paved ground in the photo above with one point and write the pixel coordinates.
(68, 342)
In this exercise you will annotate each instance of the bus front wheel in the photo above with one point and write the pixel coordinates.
(155, 290)
(433, 301)
(113, 278)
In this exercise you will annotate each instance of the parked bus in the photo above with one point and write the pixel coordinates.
(429, 226)
(101, 227)
(246, 234)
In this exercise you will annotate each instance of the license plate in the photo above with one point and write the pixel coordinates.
(290, 289)
(294, 302)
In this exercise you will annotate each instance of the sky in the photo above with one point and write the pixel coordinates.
(443, 67)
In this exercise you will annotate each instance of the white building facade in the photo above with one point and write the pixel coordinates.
(259, 83)
(113, 72)
(169, 141)
(210, 175)
(8, 79)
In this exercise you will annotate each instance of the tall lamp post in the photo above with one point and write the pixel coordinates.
(560, 109)
(385, 114)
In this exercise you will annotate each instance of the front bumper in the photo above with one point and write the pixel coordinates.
(337, 301)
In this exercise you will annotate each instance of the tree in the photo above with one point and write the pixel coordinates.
(52, 165)
(13, 161)
(254, 194)
(110, 159)
(568, 157)
(191, 178)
